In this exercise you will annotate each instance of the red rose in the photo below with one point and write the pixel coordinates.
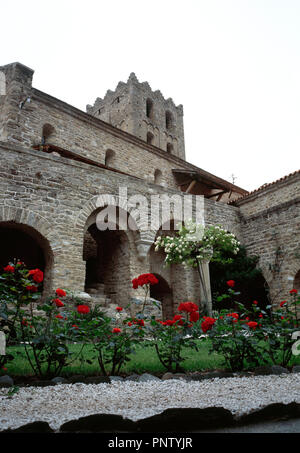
(84, 309)
(178, 319)
(169, 322)
(24, 322)
(260, 315)
(4, 368)
(135, 283)
(60, 292)
(9, 269)
(75, 326)
(282, 303)
(37, 275)
(188, 307)
(32, 288)
(252, 324)
(207, 324)
(144, 279)
(233, 315)
(194, 316)
(59, 317)
(293, 291)
(116, 330)
(119, 308)
(255, 302)
(58, 303)
(231, 283)
(129, 323)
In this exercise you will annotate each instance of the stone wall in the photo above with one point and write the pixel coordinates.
(270, 223)
(57, 197)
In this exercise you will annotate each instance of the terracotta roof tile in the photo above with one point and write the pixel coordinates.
(264, 186)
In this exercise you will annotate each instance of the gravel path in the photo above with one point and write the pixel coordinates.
(61, 403)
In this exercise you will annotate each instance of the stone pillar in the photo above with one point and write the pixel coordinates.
(2, 343)
(205, 290)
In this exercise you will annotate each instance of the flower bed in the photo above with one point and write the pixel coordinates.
(244, 338)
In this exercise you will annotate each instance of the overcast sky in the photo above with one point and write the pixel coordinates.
(233, 64)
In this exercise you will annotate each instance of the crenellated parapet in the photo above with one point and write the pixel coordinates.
(135, 108)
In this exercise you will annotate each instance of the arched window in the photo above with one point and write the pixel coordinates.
(110, 158)
(169, 120)
(157, 176)
(150, 138)
(169, 148)
(48, 133)
(149, 108)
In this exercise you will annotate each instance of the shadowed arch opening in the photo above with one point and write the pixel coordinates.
(20, 241)
(162, 292)
(169, 120)
(249, 280)
(110, 158)
(150, 138)
(149, 108)
(107, 256)
(157, 176)
(170, 148)
(48, 133)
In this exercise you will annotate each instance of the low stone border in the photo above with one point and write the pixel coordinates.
(7, 381)
(170, 420)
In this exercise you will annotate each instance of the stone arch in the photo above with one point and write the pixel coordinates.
(29, 218)
(108, 256)
(95, 204)
(25, 243)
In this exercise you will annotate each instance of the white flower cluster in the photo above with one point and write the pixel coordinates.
(194, 243)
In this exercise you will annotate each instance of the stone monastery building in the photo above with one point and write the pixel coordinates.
(60, 166)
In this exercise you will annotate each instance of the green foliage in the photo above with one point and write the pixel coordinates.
(169, 340)
(248, 278)
(111, 345)
(48, 329)
(247, 338)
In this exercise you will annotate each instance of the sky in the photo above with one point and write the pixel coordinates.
(234, 65)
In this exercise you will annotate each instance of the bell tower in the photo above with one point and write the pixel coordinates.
(136, 109)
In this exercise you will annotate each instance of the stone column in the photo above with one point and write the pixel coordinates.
(205, 290)
(2, 343)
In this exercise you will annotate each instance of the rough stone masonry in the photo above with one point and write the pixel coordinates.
(57, 162)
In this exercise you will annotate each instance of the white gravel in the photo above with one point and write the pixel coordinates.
(61, 403)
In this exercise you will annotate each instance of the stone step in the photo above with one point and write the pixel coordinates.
(96, 288)
(101, 300)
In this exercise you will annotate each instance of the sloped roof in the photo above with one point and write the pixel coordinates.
(265, 186)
